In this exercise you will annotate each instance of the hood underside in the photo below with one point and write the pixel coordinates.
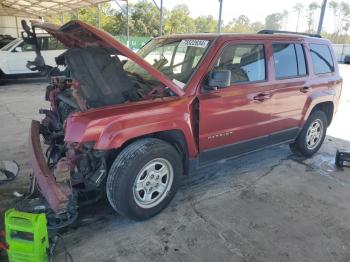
(79, 34)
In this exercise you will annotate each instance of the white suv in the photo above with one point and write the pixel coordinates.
(15, 55)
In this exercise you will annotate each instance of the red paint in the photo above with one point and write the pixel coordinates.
(231, 111)
(226, 116)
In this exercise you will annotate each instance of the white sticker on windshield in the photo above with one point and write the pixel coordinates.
(194, 42)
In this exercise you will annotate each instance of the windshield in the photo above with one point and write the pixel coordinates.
(175, 58)
(10, 45)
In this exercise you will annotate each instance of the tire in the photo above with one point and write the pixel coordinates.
(305, 146)
(147, 160)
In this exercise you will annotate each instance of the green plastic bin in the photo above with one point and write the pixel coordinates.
(27, 237)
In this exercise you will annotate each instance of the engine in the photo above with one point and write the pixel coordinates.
(93, 78)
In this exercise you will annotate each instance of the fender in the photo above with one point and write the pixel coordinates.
(317, 97)
(123, 123)
(114, 136)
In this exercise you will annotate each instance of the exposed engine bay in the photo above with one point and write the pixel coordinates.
(94, 77)
(93, 82)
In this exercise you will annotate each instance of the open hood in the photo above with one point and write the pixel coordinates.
(79, 34)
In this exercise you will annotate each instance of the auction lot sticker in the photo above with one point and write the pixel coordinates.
(194, 43)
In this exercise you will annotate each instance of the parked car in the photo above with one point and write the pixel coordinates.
(5, 39)
(181, 103)
(347, 59)
(15, 55)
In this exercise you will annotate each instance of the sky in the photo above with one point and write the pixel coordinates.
(256, 10)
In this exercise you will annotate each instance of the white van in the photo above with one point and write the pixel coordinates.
(15, 55)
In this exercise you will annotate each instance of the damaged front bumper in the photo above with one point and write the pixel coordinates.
(56, 194)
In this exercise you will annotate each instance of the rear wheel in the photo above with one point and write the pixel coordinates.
(312, 135)
(144, 178)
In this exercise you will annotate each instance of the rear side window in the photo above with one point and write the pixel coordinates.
(245, 61)
(50, 43)
(289, 60)
(321, 59)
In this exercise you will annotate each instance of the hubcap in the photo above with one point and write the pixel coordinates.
(153, 183)
(314, 134)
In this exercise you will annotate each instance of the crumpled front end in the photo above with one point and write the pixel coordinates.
(56, 194)
(70, 170)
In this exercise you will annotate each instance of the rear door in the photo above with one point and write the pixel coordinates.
(236, 119)
(291, 90)
(325, 70)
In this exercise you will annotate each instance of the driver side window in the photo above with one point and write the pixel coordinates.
(23, 47)
(245, 61)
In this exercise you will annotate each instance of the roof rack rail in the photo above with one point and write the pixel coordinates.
(266, 31)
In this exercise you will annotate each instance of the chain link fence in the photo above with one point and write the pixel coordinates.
(135, 42)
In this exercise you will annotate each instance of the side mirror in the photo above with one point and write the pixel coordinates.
(219, 79)
(18, 49)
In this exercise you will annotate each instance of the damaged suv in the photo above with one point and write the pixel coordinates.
(132, 128)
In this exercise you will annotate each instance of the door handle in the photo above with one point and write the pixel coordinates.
(305, 89)
(262, 96)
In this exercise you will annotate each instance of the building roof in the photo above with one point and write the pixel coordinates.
(40, 8)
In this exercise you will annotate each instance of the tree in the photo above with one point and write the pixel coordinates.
(144, 20)
(285, 15)
(230, 26)
(344, 17)
(111, 20)
(145, 16)
(298, 8)
(341, 14)
(334, 5)
(312, 8)
(256, 27)
(179, 21)
(242, 24)
(274, 21)
(205, 24)
(239, 25)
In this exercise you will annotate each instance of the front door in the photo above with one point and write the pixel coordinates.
(19, 56)
(236, 119)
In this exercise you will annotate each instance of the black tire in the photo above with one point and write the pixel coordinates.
(300, 146)
(125, 170)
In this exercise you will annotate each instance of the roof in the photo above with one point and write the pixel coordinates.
(242, 36)
(40, 8)
(8, 11)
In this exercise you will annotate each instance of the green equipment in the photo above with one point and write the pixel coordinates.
(26, 236)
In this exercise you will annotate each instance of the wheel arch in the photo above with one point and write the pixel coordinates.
(321, 100)
(175, 138)
(327, 107)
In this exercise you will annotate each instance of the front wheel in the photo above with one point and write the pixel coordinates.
(144, 178)
(312, 135)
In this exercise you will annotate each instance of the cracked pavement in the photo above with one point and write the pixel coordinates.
(264, 207)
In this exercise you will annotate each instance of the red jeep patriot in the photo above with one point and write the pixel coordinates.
(132, 128)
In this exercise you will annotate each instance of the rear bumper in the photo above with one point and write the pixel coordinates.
(56, 194)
